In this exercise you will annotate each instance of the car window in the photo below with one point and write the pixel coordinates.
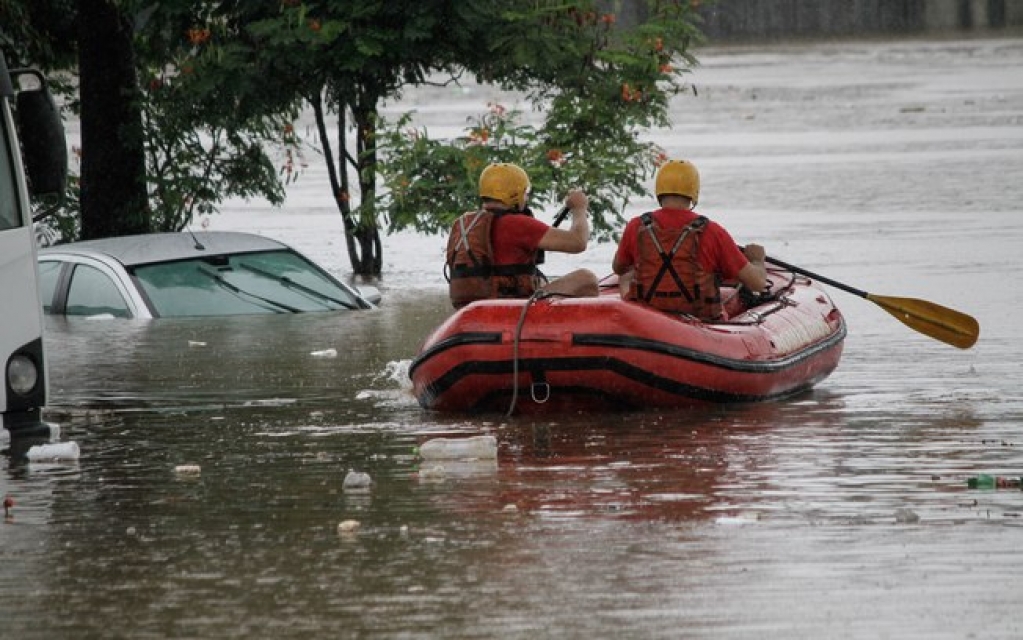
(263, 282)
(93, 293)
(49, 271)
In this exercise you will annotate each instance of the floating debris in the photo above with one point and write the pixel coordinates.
(188, 470)
(54, 451)
(325, 353)
(985, 481)
(356, 481)
(473, 448)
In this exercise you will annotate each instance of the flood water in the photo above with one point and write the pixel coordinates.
(894, 167)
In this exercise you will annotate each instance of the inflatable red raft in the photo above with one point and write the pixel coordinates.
(569, 354)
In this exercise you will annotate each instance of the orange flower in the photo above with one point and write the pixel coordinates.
(631, 95)
(555, 157)
(198, 36)
(608, 18)
(314, 24)
(479, 136)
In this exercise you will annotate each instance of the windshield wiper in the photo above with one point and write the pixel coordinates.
(241, 292)
(291, 284)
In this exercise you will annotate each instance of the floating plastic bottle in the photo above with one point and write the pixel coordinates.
(985, 481)
(474, 448)
(54, 451)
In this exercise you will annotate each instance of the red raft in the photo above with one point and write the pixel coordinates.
(593, 354)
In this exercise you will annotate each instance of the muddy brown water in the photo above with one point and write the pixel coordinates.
(841, 513)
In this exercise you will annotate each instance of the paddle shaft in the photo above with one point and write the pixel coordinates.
(558, 219)
(817, 276)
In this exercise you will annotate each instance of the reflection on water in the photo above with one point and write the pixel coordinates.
(843, 512)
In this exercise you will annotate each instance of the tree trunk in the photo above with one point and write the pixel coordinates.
(113, 186)
(365, 251)
(367, 230)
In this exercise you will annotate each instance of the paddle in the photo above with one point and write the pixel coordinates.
(941, 323)
(558, 219)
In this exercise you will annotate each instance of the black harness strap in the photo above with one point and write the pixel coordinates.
(465, 271)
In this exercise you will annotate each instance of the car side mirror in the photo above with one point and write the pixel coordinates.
(370, 293)
(42, 135)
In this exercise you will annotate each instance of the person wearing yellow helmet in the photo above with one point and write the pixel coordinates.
(674, 258)
(493, 251)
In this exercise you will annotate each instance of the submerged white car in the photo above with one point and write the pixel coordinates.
(209, 273)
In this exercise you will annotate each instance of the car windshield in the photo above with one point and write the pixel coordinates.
(263, 282)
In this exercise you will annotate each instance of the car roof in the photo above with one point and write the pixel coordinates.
(164, 247)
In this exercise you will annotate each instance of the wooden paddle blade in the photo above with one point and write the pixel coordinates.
(941, 323)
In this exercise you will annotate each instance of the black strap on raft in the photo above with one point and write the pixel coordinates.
(666, 260)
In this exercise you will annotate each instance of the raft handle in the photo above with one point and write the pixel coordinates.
(546, 387)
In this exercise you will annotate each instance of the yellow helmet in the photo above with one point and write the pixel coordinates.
(505, 182)
(680, 178)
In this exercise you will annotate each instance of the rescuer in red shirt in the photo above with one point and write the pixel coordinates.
(493, 251)
(674, 258)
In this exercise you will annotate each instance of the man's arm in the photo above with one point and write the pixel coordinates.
(575, 238)
(754, 274)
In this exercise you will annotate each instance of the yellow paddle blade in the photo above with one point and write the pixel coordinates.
(941, 323)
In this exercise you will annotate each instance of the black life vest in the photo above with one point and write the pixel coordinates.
(669, 276)
(470, 269)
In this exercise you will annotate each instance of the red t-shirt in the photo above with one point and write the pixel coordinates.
(718, 252)
(515, 237)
